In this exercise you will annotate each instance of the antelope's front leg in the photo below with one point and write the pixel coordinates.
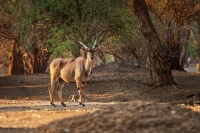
(80, 92)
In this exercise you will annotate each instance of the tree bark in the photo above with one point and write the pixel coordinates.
(156, 55)
(16, 66)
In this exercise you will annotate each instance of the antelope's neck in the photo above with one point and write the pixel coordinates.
(88, 65)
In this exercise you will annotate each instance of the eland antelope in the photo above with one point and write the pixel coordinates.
(68, 70)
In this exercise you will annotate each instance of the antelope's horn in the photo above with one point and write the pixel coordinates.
(95, 44)
(83, 45)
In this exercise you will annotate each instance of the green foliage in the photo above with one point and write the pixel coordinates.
(63, 49)
(83, 21)
(193, 49)
(59, 46)
(61, 23)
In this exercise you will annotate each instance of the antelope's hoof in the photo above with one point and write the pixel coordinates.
(82, 104)
(63, 104)
(53, 104)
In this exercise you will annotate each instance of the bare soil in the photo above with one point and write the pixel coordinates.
(117, 99)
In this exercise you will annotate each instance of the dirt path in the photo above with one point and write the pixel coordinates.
(35, 113)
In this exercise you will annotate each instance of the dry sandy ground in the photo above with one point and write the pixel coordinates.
(117, 99)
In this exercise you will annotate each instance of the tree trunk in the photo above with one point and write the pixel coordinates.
(172, 48)
(39, 60)
(173, 51)
(35, 59)
(16, 63)
(156, 56)
(198, 25)
(183, 60)
(43, 57)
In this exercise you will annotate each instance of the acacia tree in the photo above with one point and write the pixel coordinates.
(156, 55)
(74, 21)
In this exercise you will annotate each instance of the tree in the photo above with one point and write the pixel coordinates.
(81, 20)
(75, 20)
(173, 19)
(156, 55)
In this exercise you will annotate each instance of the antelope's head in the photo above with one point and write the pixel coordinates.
(89, 52)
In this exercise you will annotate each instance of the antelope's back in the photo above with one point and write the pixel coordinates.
(59, 63)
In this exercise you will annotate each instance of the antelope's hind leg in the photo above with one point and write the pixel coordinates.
(59, 90)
